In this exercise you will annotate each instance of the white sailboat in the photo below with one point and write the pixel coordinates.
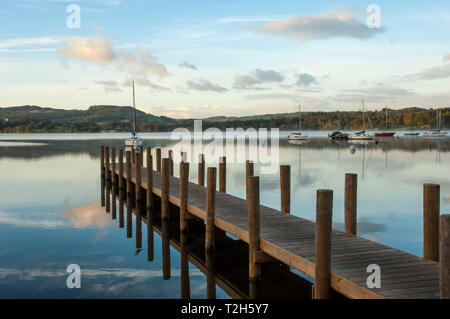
(437, 132)
(133, 141)
(297, 136)
(361, 136)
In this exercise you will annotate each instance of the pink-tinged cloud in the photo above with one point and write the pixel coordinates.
(87, 215)
(96, 49)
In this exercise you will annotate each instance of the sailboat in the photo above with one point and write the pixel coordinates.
(133, 141)
(437, 132)
(362, 135)
(385, 133)
(297, 136)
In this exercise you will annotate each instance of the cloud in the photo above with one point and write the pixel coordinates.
(373, 94)
(447, 57)
(343, 23)
(187, 65)
(83, 216)
(205, 85)
(306, 79)
(96, 49)
(258, 76)
(433, 73)
(109, 86)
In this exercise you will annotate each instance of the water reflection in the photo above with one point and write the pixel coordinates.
(51, 187)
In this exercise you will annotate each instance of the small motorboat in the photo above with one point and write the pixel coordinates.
(411, 134)
(337, 135)
(436, 133)
(385, 134)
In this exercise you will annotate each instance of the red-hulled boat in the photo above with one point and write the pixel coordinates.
(385, 134)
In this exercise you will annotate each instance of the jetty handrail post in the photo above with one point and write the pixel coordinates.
(201, 170)
(165, 189)
(249, 171)
(254, 230)
(223, 174)
(108, 173)
(149, 201)
(133, 155)
(158, 159)
(184, 180)
(285, 188)
(350, 205)
(183, 156)
(120, 155)
(210, 208)
(444, 255)
(324, 217)
(170, 155)
(113, 167)
(121, 188)
(138, 202)
(431, 212)
(128, 194)
(102, 161)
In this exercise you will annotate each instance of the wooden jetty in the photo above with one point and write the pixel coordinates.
(337, 261)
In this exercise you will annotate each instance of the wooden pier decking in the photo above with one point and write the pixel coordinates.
(292, 241)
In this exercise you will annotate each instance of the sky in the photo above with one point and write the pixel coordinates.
(233, 58)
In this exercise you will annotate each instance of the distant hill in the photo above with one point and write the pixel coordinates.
(112, 118)
(97, 114)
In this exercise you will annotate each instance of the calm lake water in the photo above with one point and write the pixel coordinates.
(50, 212)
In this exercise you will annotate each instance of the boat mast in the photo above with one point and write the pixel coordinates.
(134, 111)
(299, 118)
(364, 116)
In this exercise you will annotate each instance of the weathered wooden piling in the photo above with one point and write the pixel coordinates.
(149, 201)
(254, 229)
(158, 159)
(138, 203)
(201, 170)
(120, 155)
(223, 174)
(210, 274)
(285, 187)
(184, 181)
(113, 163)
(184, 267)
(121, 189)
(350, 205)
(249, 171)
(444, 257)
(133, 155)
(102, 161)
(324, 216)
(129, 193)
(165, 189)
(114, 184)
(431, 212)
(108, 173)
(170, 155)
(210, 209)
(183, 157)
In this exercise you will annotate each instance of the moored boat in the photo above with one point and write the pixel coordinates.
(133, 142)
(362, 135)
(385, 133)
(297, 136)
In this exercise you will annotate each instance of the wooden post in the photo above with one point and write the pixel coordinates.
(149, 200)
(210, 274)
(444, 262)
(102, 161)
(210, 208)
(254, 230)
(138, 203)
(165, 189)
(184, 180)
(350, 205)
(108, 174)
(133, 155)
(183, 156)
(223, 174)
(102, 191)
(170, 154)
(249, 171)
(324, 216)
(201, 170)
(285, 188)
(158, 159)
(120, 155)
(129, 192)
(113, 163)
(128, 171)
(431, 212)
(184, 268)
